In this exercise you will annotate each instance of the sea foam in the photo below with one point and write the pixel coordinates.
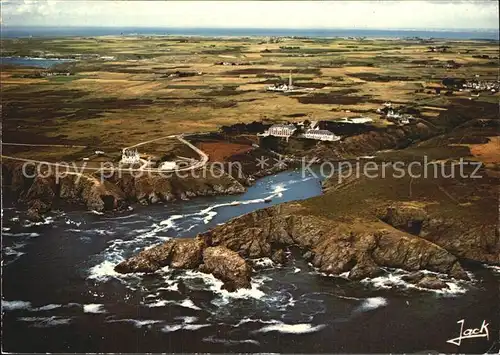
(93, 308)
(15, 305)
(301, 328)
(373, 303)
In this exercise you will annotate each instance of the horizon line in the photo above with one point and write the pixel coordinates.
(5, 26)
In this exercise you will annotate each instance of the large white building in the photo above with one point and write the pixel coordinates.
(130, 156)
(281, 130)
(321, 135)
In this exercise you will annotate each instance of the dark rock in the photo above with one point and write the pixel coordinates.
(432, 282)
(34, 215)
(153, 198)
(308, 255)
(36, 210)
(137, 264)
(42, 189)
(458, 272)
(410, 253)
(203, 268)
(366, 270)
(40, 206)
(177, 253)
(278, 257)
(227, 266)
(148, 260)
(187, 253)
(414, 277)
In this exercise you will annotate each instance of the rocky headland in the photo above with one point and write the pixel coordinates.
(435, 218)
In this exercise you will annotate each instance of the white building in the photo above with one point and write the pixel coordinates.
(168, 165)
(313, 125)
(130, 156)
(282, 87)
(392, 114)
(361, 120)
(321, 135)
(281, 130)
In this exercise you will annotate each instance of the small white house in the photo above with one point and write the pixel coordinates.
(321, 135)
(392, 114)
(168, 165)
(130, 156)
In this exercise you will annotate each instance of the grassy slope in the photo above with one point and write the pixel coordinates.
(439, 189)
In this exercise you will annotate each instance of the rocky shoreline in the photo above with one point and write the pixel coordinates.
(265, 233)
(42, 193)
(362, 226)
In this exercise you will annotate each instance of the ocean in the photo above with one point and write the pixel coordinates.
(10, 32)
(32, 62)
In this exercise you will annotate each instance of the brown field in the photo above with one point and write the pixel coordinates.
(488, 152)
(220, 151)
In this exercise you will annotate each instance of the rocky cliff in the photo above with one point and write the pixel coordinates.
(42, 191)
(153, 188)
(333, 247)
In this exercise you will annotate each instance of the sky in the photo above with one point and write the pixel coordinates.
(254, 14)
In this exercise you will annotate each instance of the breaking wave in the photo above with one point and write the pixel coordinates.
(15, 305)
(45, 322)
(394, 279)
(93, 308)
(372, 303)
(215, 340)
(301, 328)
(136, 322)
